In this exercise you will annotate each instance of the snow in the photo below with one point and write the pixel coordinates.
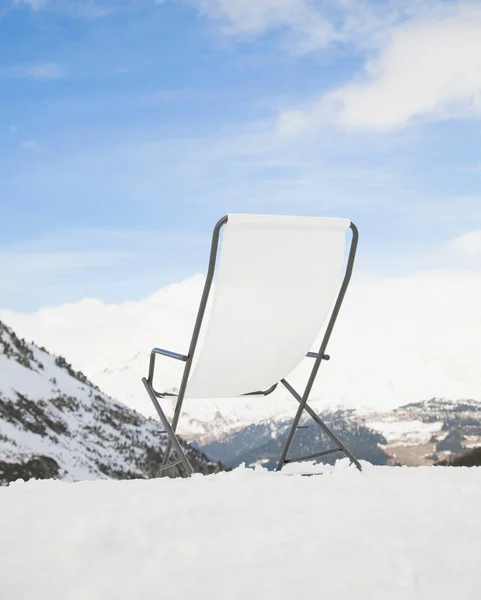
(405, 432)
(392, 533)
(471, 441)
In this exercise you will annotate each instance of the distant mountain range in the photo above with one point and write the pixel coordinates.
(55, 423)
(416, 434)
(425, 432)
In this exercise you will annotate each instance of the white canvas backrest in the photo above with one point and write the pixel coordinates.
(276, 282)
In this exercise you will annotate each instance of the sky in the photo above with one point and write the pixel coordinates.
(127, 128)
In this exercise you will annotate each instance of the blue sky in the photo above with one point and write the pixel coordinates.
(127, 128)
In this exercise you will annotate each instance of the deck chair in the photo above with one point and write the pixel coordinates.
(279, 280)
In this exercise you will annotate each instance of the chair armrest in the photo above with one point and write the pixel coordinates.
(316, 354)
(162, 352)
(169, 354)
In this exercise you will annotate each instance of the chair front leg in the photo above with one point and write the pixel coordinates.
(170, 429)
(173, 440)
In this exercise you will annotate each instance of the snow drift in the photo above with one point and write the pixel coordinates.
(392, 533)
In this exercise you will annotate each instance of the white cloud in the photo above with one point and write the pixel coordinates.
(38, 71)
(32, 146)
(82, 9)
(79, 249)
(424, 58)
(471, 169)
(468, 244)
(35, 265)
(428, 67)
(256, 16)
(44, 71)
(299, 16)
(309, 24)
(33, 4)
(115, 332)
(75, 263)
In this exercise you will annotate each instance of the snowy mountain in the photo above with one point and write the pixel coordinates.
(54, 423)
(424, 432)
(415, 434)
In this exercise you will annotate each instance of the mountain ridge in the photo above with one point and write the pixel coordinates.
(55, 422)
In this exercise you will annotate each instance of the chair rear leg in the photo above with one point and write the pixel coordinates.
(290, 437)
(333, 436)
(304, 406)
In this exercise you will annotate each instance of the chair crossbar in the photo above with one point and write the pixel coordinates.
(316, 354)
(315, 417)
(171, 464)
(312, 456)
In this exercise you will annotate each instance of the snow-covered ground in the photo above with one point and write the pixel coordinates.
(390, 533)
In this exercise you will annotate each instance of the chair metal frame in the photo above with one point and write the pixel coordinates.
(170, 428)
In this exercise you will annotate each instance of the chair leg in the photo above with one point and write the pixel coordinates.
(175, 421)
(173, 441)
(290, 436)
(304, 406)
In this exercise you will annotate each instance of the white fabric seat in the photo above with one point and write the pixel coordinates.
(279, 279)
(276, 281)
